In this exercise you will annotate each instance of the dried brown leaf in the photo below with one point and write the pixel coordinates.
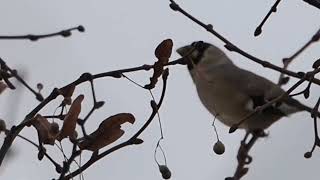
(44, 128)
(164, 50)
(163, 53)
(70, 121)
(67, 92)
(108, 132)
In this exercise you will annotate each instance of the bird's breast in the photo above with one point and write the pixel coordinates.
(221, 99)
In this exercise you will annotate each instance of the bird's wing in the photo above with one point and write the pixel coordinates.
(259, 90)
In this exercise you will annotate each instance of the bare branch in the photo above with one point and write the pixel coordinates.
(315, 3)
(95, 157)
(15, 130)
(287, 61)
(231, 47)
(273, 9)
(32, 37)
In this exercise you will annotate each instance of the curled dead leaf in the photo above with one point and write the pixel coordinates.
(163, 53)
(108, 132)
(74, 137)
(54, 128)
(67, 92)
(70, 120)
(44, 129)
(164, 50)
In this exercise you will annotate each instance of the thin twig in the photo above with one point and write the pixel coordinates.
(55, 93)
(15, 74)
(158, 146)
(243, 156)
(273, 9)
(287, 61)
(66, 164)
(231, 47)
(57, 166)
(32, 37)
(275, 100)
(316, 134)
(95, 157)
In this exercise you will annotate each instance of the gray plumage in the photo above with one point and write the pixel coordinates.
(231, 93)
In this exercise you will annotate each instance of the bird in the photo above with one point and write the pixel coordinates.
(231, 93)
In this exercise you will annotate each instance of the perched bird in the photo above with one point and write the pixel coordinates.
(231, 93)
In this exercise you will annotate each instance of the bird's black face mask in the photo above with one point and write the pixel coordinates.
(199, 47)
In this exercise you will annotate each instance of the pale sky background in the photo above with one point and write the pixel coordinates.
(121, 34)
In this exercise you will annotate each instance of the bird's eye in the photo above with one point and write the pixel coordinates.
(194, 44)
(198, 44)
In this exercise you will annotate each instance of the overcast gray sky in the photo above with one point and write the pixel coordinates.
(121, 34)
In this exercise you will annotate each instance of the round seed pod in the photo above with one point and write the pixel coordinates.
(165, 172)
(218, 147)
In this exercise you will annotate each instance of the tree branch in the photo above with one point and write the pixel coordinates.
(231, 47)
(273, 9)
(155, 106)
(15, 130)
(32, 37)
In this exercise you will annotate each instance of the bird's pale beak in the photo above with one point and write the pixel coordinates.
(183, 51)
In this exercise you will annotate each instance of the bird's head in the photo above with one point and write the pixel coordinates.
(200, 52)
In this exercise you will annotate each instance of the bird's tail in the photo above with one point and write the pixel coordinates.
(301, 107)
